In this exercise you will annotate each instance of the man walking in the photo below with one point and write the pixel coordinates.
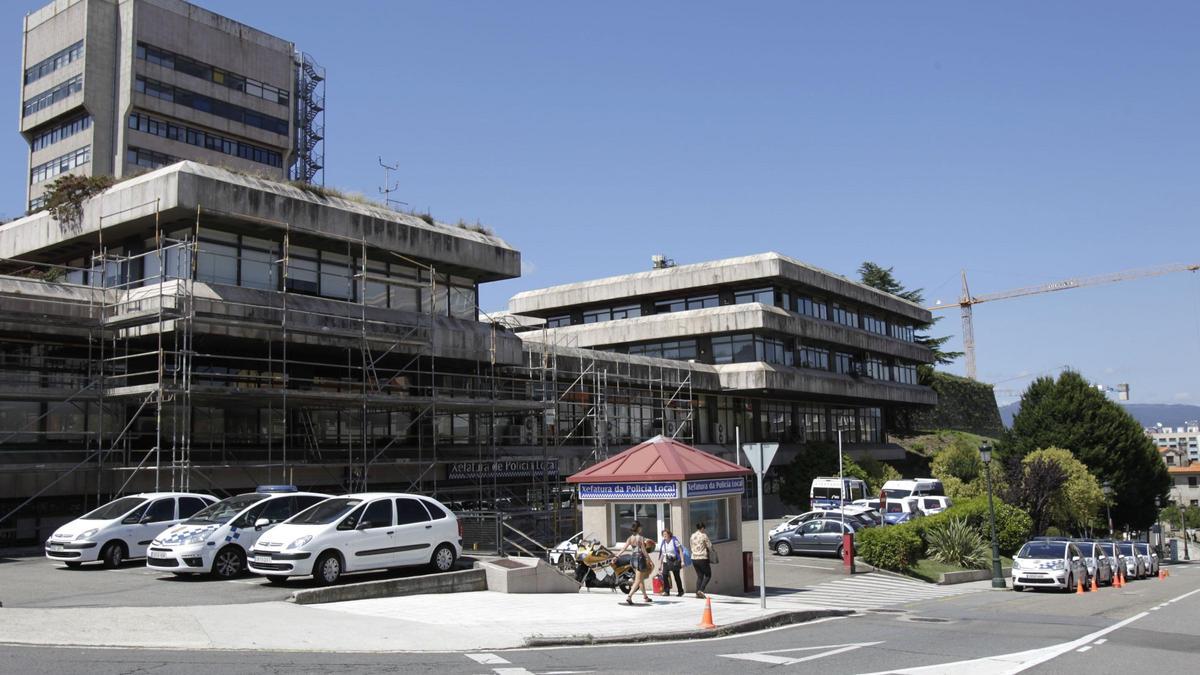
(701, 546)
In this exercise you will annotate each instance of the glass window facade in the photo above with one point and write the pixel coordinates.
(204, 139)
(714, 513)
(775, 420)
(183, 64)
(813, 357)
(844, 363)
(903, 332)
(229, 111)
(905, 373)
(870, 425)
(874, 325)
(60, 165)
(845, 316)
(558, 321)
(58, 132)
(764, 295)
(51, 96)
(876, 368)
(814, 424)
(149, 159)
(814, 308)
(684, 304)
(53, 62)
(678, 350)
(734, 349)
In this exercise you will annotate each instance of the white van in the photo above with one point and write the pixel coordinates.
(350, 533)
(123, 528)
(913, 487)
(215, 540)
(824, 493)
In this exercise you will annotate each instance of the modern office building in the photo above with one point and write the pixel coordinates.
(799, 352)
(1185, 439)
(117, 87)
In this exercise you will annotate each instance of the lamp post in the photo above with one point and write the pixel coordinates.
(1158, 503)
(847, 539)
(1108, 496)
(985, 454)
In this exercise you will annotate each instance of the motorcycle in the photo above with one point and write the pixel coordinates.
(596, 566)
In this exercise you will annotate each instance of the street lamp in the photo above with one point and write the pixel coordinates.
(985, 454)
(1158, 502)
(1108, 497)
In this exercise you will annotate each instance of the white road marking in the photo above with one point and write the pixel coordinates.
(512, 671)
(1100, 641)
(770, 656)
(735, 636)
(1083, 649)
(486, 659)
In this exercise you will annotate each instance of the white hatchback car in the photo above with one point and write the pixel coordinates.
(350, 533)
(215, 540)
(123, 528)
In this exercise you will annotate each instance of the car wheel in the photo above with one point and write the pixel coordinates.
(113, 554)
(566, 563)
(841, 552)
(74, 565)
(1070, 583)
(443, 558)
(1018, 588)
(327, 569)
(229, 563)
(276, 578)
(783, 548)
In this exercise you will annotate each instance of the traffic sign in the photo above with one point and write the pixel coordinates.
(760, 455)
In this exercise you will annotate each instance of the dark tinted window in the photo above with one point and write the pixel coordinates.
(305, 501)
(189, 506)
(437, 512)
(811, 527)
(351, 520)
(379, 514)
(114, 509)
(832, 526)
(279, 509)
(1042, 549)
(325, 512)
(162, 509)
(251, 515)
(409, 510)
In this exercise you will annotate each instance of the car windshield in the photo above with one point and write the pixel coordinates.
(1143, 548)
(894, 493)
(1126, 547)
(1042, 549)
(224, 510)
(326, 512)
(1108, 549)
(115, 509)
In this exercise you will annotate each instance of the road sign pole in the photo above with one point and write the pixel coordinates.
(762, 537)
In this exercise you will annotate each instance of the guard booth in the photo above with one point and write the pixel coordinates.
(665, 484)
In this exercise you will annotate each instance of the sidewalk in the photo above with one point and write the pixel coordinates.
(447, 622)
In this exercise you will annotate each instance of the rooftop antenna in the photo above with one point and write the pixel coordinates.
(388, 186)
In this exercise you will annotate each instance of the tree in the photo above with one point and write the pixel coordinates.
(1078, 501)
(821, 460)
(1041, 481)
(67, 193)
(882, 278)
(1072, 414)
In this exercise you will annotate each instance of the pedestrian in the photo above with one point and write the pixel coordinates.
(701, 548)
(671, 555)
(639, 560)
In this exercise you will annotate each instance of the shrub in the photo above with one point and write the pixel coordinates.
(895, 547)
(66, 195)
(954, 542)
(1012, 524)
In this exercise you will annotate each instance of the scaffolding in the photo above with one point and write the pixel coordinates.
(201, 382)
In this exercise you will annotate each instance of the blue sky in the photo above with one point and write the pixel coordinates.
(1023, 142)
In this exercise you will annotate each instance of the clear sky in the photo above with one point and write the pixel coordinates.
(1021, 141)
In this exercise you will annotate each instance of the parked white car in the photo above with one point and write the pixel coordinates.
(123, 528)
(215, 540)
(351, 533)
(932, 505)
(563, 555)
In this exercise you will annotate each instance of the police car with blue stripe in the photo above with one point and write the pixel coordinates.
(214, 541)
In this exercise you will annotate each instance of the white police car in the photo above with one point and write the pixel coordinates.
(215, 540)
(376, 530)
(122, 528)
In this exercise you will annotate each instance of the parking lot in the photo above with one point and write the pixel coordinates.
(34, 581)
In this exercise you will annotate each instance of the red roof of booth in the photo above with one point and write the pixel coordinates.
(659, 459)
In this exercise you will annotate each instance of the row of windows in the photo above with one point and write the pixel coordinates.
(52, 63)
(684, 304)
(61, 131)
(209, 73)
(606, 314)
(814, 308)
(53, 95)
(678, 350)
(845, 316)
(204, 139)
(812, 357)
(37, 203)
(210, 105)
(59, 165)
(874, 325)
(149, 159)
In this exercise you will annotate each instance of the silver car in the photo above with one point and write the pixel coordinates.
(1149, 556)
(1135, 566)
(1100, 566)
(1048, 564)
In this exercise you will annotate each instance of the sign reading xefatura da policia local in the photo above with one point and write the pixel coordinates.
(661, 490)
(715, 486)
(505, 468)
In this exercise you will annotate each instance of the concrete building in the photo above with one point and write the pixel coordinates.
(1185, 484)
(798, 351)
(117, 87)
(1185, 439)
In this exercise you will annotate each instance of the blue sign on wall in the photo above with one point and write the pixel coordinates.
(716, 486)
(641, 491)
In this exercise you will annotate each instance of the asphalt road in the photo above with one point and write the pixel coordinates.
(1149, 624)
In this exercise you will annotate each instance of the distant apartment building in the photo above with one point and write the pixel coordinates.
(117, 87)
(799, 352)
(1185, 484)
(1185, 439)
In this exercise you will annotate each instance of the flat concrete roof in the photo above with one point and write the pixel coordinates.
(181, 191)
(763, 266)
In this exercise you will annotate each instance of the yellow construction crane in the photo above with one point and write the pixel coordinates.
(967, 301)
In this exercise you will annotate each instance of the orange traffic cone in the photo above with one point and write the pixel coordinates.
(1079, 587)
(706, 618)
(1162, 574)
(1095, 587)
(1166, 573)
(1120, 579)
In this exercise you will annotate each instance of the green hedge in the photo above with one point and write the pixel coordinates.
(892, 547)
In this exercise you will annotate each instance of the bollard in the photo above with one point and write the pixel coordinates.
(747, 571)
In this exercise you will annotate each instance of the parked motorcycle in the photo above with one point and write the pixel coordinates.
(596, 566)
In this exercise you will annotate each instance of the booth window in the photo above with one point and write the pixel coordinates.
(714, 513)
(649, 515)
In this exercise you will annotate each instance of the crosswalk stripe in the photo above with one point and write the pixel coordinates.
(869, 591)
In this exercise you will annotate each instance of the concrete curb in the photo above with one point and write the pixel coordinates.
(446, 582)
(951, 578)
(785, 618)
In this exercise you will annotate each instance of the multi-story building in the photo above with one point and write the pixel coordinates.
(799, 352)
(1185, 439)
(116, 87)
(1185, 484)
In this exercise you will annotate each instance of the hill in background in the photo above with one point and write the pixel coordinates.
(1148, 414)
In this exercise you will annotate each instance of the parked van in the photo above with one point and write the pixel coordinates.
(350, 533)
(123, 528)
(825, 494)
(215, 540)
(913, 487)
